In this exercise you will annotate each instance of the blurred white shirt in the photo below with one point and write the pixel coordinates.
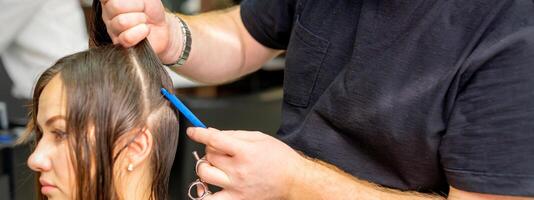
(35, 34)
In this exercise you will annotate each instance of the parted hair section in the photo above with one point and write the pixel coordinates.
(112, 91)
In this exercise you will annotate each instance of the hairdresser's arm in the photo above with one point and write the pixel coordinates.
(252, 165)
(222, 48)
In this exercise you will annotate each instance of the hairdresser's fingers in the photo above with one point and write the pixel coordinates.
(116, 7)
(107, 21)
(245, 136)
(125, 21)
(200, 191)
(134, 35)
(220, 160)
(213, 150)
(113, 37)
(105, 15)
(212, 175)
(226, 132)
(222, 142)
(213, 129)
(221, 195)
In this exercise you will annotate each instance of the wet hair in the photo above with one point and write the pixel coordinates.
(113, 91)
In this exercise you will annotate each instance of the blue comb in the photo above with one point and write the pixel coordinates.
(182, 108)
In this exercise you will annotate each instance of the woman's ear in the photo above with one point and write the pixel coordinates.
(139, 149)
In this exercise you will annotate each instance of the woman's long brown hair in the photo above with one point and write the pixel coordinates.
(113, 91)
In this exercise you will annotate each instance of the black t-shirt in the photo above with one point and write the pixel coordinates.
(413, 95)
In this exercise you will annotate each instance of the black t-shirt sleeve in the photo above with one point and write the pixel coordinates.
(489, 144)
(269, 21)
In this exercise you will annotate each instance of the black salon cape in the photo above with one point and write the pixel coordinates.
(414, 95)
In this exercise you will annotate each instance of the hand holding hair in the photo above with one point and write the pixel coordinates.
(130, 21)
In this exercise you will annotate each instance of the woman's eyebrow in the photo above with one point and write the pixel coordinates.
(50, 120)
(53, 119)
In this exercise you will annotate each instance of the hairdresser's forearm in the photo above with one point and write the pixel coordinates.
(318, 180)
(323, 181)
(222, 49)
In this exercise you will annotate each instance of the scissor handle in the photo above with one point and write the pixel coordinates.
(198, 183)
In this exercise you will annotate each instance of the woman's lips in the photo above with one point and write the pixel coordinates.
(46, 187)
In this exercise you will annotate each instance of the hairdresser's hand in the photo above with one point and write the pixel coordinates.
(247, 165)
(130, 21)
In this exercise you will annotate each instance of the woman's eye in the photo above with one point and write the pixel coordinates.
(59, 135)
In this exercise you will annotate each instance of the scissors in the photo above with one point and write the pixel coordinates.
(197, 123)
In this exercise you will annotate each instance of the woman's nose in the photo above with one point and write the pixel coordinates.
(39, 160)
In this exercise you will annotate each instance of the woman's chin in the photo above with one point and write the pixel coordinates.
(54, 197)
(52, 194)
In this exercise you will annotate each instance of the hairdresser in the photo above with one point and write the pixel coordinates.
(382, 99)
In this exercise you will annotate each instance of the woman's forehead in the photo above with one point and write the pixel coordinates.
(52, 101)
